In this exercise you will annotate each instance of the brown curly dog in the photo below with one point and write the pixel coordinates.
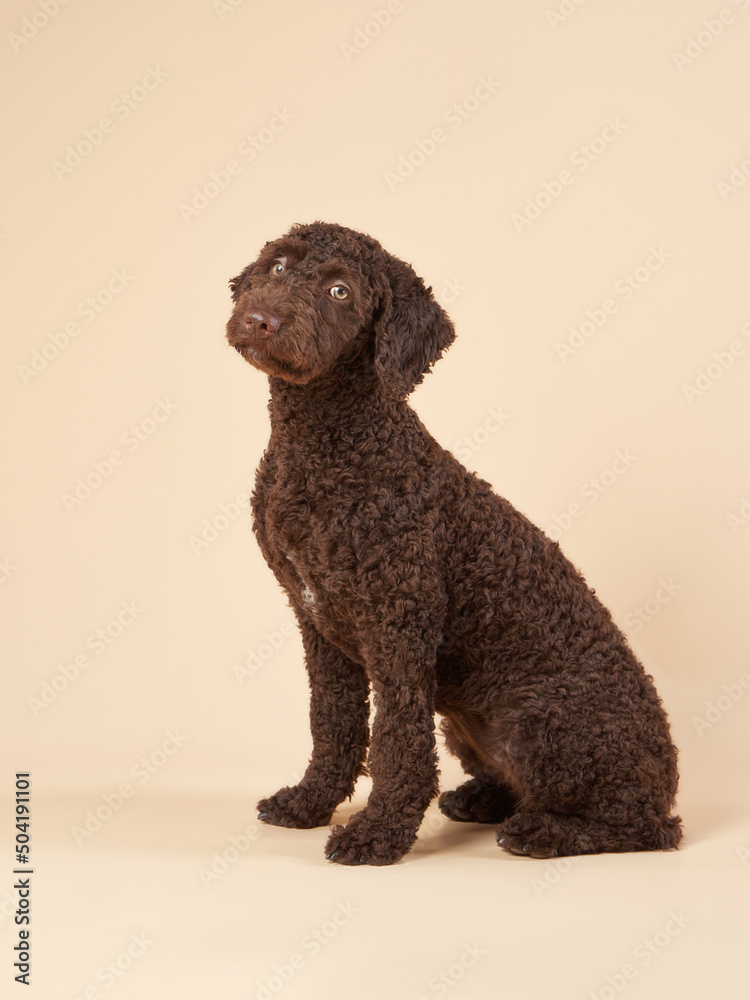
(407, 574)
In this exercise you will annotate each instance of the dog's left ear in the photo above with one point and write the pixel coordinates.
(241, 283)
(411, 330)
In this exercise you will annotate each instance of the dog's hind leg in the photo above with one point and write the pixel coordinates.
(549, 835)
(591, 790)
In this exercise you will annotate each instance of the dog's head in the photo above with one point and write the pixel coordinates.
(322, 297)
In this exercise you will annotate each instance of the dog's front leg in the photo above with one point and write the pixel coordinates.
(402, 763)
(339, 721)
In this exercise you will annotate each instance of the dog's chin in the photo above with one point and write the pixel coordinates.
(275, 367)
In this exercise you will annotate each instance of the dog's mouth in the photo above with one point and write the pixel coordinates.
(250, 354)
(270, 364)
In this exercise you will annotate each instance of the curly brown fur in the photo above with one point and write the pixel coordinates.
(410, 577)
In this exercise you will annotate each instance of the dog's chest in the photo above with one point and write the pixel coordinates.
(305, 534)
(296, 538)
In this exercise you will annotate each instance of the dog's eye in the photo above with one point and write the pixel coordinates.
(278, 266)
(339, 292)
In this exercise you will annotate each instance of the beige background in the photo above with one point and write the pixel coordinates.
(190, 708)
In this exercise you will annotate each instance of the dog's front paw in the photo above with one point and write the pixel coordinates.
(300, 806)
(367, 840)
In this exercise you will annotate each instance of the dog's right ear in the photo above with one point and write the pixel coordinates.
(241, 283)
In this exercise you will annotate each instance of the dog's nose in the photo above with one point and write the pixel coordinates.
(261, 322)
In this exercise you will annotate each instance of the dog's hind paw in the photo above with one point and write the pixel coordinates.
(548, 835)
(551, 835)
(478, 801)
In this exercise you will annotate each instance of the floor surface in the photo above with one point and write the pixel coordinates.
(171, 898)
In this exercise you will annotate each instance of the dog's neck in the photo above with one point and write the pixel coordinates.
(341, 406)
